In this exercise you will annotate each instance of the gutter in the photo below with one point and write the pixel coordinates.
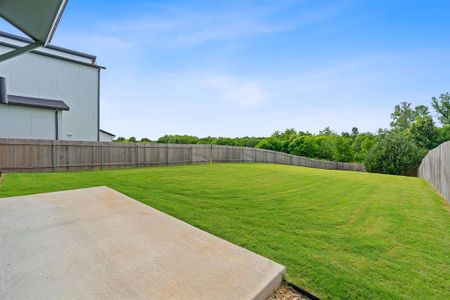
(56, 125)
(98, 106)
(5, 44)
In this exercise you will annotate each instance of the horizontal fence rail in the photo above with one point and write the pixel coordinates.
(435, 168)
(52, 156)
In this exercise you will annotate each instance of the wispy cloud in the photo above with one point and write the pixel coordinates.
(185, 27)
(241, 92)
(188, 28)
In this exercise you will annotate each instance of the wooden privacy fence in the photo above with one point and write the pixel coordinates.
(48, 156)
(435, 168)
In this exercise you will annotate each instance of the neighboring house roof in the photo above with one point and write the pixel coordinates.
(108, 133)
(37, 102)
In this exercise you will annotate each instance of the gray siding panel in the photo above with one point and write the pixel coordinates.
(26, 122)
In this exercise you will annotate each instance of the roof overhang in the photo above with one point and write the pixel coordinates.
(108, 133)
(37, 19)
(37, 102)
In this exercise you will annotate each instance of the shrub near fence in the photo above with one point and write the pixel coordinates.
(18, 155)
(435, 168)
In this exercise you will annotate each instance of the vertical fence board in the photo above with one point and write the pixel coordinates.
(435, 168)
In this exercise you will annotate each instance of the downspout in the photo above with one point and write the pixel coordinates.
(56, 125)
(3, 93)
(98, 106)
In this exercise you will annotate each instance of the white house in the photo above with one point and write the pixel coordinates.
(106, 136)
(49, 93)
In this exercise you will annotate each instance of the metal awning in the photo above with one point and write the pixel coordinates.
(37, 19)
(37, 102)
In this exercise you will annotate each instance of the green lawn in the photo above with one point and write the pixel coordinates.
(340, 234)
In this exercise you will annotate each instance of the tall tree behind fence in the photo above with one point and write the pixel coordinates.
(435, 168)
(47, 156)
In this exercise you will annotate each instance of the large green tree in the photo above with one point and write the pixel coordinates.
(422, 130)
(362, 143)
(442, 108)
(327, 131)
(444, 134)
(304, 145)
(343, 149)
(402, 117)
(270, 143)
(325, 147)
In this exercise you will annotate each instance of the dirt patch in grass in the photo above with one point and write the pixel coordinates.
(284, 292)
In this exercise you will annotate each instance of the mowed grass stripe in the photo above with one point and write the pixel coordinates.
(341, 235)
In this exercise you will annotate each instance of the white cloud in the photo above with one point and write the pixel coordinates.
(171, 29)
(243, 93)
(186, 27)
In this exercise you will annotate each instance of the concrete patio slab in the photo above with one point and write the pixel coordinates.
(99, 244)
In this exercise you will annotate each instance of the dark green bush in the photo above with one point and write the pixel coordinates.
(304, 146)
(393, 154)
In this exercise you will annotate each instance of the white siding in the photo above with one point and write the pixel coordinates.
(104, 137)
(27, 122)
(39, 76)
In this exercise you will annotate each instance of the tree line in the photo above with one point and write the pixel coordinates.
(189, 139)
(413, 131)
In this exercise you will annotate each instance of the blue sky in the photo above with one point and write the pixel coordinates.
(236, 68)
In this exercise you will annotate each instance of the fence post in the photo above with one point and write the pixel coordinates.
(136, 147)
(167, 154)
(92, 157)
(54, 155)
(211, 154)
(145, 155)
(101, 156)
